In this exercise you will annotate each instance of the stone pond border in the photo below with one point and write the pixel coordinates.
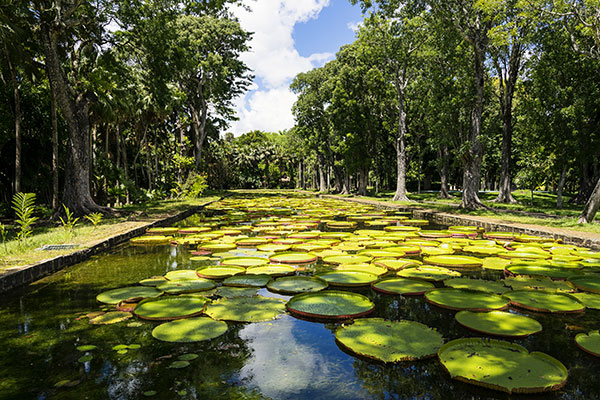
(583, 239)
(20, 276)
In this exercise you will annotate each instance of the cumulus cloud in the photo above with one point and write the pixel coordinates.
(275, 61)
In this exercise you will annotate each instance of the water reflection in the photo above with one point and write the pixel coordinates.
(293, 358)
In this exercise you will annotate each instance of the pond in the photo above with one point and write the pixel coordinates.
(44, 326)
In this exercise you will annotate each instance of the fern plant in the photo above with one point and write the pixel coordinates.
(23, 205)
(94, 218)
(70, 222)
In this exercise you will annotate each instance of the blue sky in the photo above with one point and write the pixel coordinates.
(290, 36)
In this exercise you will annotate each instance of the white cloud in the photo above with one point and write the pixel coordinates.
(354, 26)
(275, 60)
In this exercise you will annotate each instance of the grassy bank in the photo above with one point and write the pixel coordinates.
(14, 253)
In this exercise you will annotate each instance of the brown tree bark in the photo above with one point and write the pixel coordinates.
(17, 120)
(322, 181)
(443, 171)
(54, 123)
(400, 142)
(561, 185)
(591, 207)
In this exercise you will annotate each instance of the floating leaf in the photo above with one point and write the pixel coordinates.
(247, 280)
(220, 272)
(187, 286)
(540, 271)
(499, 323)
(171, 308)
(181, 274)
(476, 284)
(347, 259)
(272, 270)
(189, 330)
(244, 261)
(370, 268)
(189, 356)
(589, 342)
(86, 358)
(121, 352)
(246, 309)
(134, 346)
(111, 318)
(590, 300)
(135, 324)
(179, 364)
(293, 258)
(150, 393)
(546, 284)
(228, 291)
(348, 278)
(501, 365)
(131, 292)
(402, 286)
(428, 273)
(587, 283)
(544, 301)
(330, 304)
(460, 299)
(297, 284)
(153, 281)
(453, 261)
(397, 264)
(495, 263)
(120, 347)
(86, 347)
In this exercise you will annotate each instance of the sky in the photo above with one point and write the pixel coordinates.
(290, 36)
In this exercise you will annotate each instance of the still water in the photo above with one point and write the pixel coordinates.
(288, 358)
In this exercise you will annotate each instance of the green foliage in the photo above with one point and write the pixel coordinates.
(70, 222)
(3, 233)
(192, 188)
(23, 204)
(94, 218)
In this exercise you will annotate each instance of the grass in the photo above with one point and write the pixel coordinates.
(14, 253)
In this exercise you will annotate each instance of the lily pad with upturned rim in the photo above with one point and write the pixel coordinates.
(189, 330)
(499, 323)
(428, 273)
(396, 264)
(253, 281)
(589, 342)
(501, 365)
(390, 341)
(460, 299)
(403, 286)
(220, 272)
(347, 259)
(540, 270)
(153, 281)
(246, 309)
(231, 291)
(293, 258)
(297, 284)
(590, 300)
(348, 278)
(495, 263)
(330, 305)
(130, 292)
(545, 284)
(244, 261)
(452, 261)
(476, 284)
(187, 286)
(587, 283)
(181, 274)
(170, 308)
(544, 301)
(370, 268)
(273, 270)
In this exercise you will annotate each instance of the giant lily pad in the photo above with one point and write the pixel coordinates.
(347, 259)
(499, 323)
(483, 250)
(153, 281)
(293, 258)
(370, 268)
(428, 273)
(348, 278)
(247, 280)
(589, 342)
(460, 299)
(215, 247)
(544, 301)
(500, 365)
(181, 274)
(150, 240)
(389, 341)
(246, 309)
(476, 284)
(402, 286)
(587, 283)
(590, 300)
(272, 270)
(540, 270)
(132, 293)
(170, 308)
(297, 284)
(495, 263)
(546, 284)
(453, 261)
(397, 263)
(220, 272)
(330, 304)
(189, 330)
(244, 261)
(186, 286)
(231, 291)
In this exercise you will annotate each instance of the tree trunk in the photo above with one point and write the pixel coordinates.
(346, 185)
(17, 111)
(362, 181)
(443, 170)
(74, 107)
(561, 185)
(54, 123)
(338, 173)
(591, 207)
(400, 144)
(125, 169)
(472, 158)
(322, 183)
(181, 149)
(199, 126)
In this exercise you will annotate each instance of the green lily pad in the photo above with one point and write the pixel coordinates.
(189, 330)
(154, 281)
(590, 300)
(291, 257)
(476, 284)
(251, 242)
(216, 247)
(454, 261)
(587, 283)
(380, 253)
(230, 291)
(130, 292)
(348, 278)
(170, 308)
(546, 284)
(247, 281)
(220, 272)
(330, 304)
(540, 270)
(244, 261)
(428, 273)
(403, 286)
(396, 264)
(186, 286)
(112, 317)
(154, 240)
(460, 299)
(199, 258)
(181, 274)
(86, 347)
(274, 248)
(390, 341)
(86, 358)
(135, 324)
(120, 347)
(246, 309)
(589, 342)
(500, 365)
(189, 356)
(521, 255)
(297, 284)
(370, 268)
(179, 364)
(495, 263)
(499, 323)
(436, 251)
(272, 270)
(150, 393)
(545, 301)
(347, 259)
